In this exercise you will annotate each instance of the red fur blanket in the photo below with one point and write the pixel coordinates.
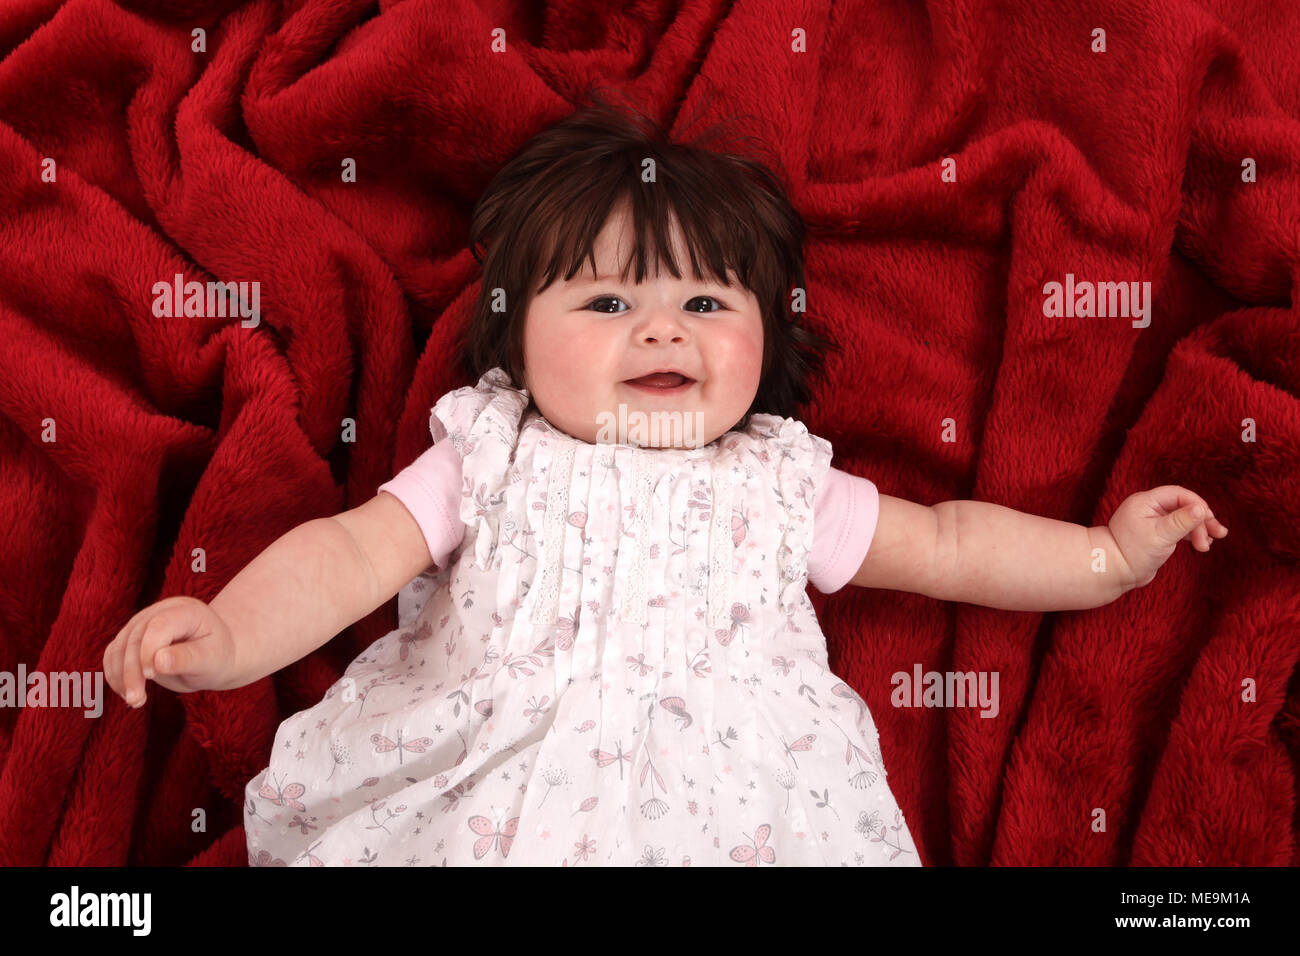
(1161, 729)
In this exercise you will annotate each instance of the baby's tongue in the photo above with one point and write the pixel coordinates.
(661, 380)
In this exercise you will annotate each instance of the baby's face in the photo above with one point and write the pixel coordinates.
(584, 339)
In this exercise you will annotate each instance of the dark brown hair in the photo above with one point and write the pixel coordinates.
(543, 211)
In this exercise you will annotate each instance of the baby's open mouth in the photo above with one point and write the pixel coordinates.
(661, 381)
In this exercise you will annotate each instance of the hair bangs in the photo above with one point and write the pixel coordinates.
(717, 250)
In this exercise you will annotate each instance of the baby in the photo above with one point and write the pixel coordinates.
(607, 653)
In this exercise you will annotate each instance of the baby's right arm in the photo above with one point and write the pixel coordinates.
(317, 579)
(306, 587)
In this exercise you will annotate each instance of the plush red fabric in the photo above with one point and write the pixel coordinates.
(1126, 165)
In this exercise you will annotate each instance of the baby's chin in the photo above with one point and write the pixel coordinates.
(640, 425)
(657, 428)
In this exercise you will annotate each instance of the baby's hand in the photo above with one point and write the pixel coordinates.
(180, 642)
(1147, 526)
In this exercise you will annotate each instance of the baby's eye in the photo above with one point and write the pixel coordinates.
(707, 298)
(605, 298)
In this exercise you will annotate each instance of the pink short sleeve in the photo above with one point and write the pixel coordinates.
(430, 488)
(844, 522)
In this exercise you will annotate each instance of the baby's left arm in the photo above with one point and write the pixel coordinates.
(981, 553)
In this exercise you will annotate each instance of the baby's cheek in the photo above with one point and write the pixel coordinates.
(743, 362)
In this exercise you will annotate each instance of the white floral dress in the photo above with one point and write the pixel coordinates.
(619, 666)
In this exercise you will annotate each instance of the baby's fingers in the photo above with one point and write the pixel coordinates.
(131, 679)
(156, 647)
(121, 658)
(117, 670)
(157, 625)
(113, 655)
(1181, 523)
(185, 666)
(1203, 534)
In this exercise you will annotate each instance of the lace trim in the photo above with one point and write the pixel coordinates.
(801, 468)
(721, 547)
(634, 610)
(546, 603)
